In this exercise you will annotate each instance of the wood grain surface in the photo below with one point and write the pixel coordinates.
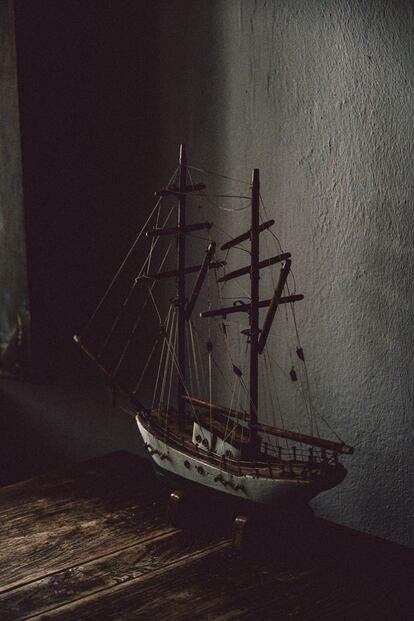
(92, 542)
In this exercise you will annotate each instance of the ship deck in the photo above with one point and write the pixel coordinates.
(179, 434)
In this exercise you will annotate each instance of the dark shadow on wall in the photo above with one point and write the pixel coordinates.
(88, 120)
(107, 92)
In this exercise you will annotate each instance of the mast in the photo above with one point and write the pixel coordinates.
(181, 315)
(254, 306)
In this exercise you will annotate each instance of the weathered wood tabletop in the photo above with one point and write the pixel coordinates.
(92, 542)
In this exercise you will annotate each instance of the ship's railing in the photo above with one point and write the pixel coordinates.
(294, 453)
(285, 458)
(288, 453)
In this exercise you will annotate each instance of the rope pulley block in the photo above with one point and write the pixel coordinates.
(237, 371)
(301, 355)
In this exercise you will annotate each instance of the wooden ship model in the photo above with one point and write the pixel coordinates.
(191, 438)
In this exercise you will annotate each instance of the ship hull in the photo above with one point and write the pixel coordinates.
(180, 464)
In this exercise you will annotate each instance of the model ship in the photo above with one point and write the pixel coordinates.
(224, 447)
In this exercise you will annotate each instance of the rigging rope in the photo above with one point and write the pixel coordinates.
(196, 369)
(172, 369)
(167, 359)
(136, 323)
(215, 174)
(128, 297)
(164, 332)
(119, 270)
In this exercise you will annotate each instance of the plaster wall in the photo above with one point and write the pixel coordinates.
(14, 303)
(318, 95)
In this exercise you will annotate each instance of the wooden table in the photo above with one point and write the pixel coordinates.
(92, 542)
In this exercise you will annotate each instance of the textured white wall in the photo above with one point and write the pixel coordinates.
(318, 95)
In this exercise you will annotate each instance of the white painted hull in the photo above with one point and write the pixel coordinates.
(263, 490)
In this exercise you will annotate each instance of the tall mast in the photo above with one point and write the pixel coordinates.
(254, 304)
(181, 281)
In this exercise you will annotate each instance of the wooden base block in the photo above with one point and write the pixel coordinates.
(175, 507)
(240, 532)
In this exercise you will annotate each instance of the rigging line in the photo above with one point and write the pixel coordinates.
(209, 352)
(225, 334)
(279, 407)
(175, 362)
(191, 179)
(209, 392)
(242, 249)
(196, 371)
(305, 400)
(236, 282)
(153, 240)
(309, 406)
(215, 174)
(180, 375)
(240, 402)
(145, 265)
(243, 326)
(282, 370)
(166, 364)
(229, 209)
(200, 359)
(171, 372)
(189, 196)
(137, 321)
(246, 368)
(224, 233)
(125, 302)
(292, 274)
(193, 235)
(117, 318)
(168, 360)
(329, 426)
(270, 230)
(230, 434)
(155, 306)
(166, 329)
(188, 353)
(300, 389)
(238, 399)
(141, 377)
(111, 284)
(305, 366)
(268, 382)
(272, 273)
(230, 358)
(205, 195)
(278, 245)
(308, 412)
(220, 370)
(218, 327)
(246, 390)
